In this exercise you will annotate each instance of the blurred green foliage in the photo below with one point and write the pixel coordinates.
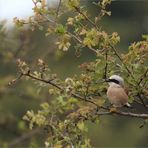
(129, 19)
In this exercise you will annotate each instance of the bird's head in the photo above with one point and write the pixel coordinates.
(115, 79)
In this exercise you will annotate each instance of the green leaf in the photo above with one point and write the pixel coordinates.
(60, 29)
(81, 126)
(73, 100)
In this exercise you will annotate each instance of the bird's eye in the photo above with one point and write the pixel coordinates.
(114, 80)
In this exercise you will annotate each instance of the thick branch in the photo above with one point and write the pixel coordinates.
(144, 116)
(128, 114)
(89, 100)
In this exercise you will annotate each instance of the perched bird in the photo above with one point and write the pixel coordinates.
(116, 93)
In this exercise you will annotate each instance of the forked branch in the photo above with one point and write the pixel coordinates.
(107, 111)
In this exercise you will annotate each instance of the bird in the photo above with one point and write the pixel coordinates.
(116, 93)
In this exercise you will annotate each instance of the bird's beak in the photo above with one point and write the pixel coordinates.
(103, 81)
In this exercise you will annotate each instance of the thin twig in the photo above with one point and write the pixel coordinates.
(106, 65)
(23, 138)
(13, 81)
(143, 76)
(117, 54)
(81, 42)
(58, 8)
(34, 2)
(142, 101)
(85, 16)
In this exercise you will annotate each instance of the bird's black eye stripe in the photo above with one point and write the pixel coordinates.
(114, 80)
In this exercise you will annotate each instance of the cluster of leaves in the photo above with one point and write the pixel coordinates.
(80, 98)
(61, 132)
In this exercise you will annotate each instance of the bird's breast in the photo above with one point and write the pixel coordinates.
(117, 96)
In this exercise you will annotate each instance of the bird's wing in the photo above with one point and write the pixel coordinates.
(122, 96)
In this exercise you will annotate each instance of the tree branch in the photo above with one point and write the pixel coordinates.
(142, 101)
(143, 76)
(58, 8)
(89, 100)
(85, 16)
(127, 114)
(131, 74)
(106, 65)
(117, 54)
(23, 138)
(81, 42)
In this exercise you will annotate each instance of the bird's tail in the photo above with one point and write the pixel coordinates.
(128, 105)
